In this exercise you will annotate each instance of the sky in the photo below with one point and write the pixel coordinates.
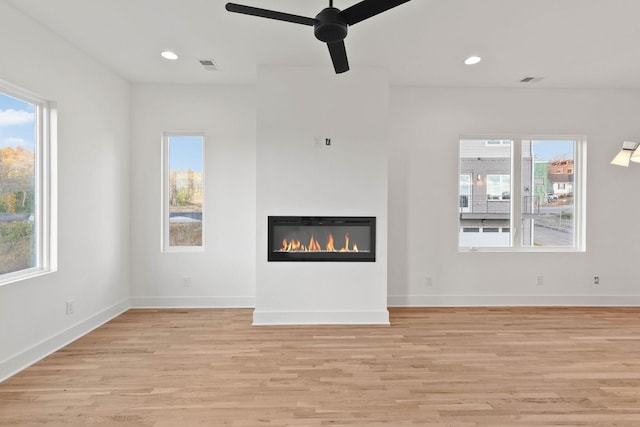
(17, 123)
(185, 152)
(552, 150)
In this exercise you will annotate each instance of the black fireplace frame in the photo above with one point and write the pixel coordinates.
(324, 221)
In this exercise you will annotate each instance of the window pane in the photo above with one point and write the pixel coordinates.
(493, 187)
(487, 164)
(498, 187)
(547, 189)
(185, 155)
(465, 193)
(18, 237)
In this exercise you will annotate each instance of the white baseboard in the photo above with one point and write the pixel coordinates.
(513, 300)
(266, 318)
(192, 302)
(28, 357)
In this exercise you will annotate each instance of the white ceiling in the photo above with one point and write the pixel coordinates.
(571, 43)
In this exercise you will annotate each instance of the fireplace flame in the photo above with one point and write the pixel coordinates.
(330, 247)
(314, 245)
(346, 244)
(294, 245)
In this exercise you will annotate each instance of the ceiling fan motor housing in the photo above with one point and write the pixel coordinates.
(330, 26)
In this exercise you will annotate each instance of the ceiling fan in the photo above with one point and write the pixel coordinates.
(330, 25)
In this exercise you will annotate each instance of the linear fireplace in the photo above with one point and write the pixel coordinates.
(305, 238)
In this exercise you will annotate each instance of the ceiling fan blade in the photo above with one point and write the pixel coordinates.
(271, 14)
(368, 8)
(339, 56)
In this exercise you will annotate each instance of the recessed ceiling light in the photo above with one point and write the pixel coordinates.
(472, 60)
(167, 54)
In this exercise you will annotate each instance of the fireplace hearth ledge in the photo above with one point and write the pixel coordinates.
(275, 318)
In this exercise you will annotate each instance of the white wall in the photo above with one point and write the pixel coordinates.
(425, 126)
(295, 177)
(93, 194)
(224, 274)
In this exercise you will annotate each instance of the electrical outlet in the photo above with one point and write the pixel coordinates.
(540, 281)
(186, 281)
(70, 307)
(428, 281)
(596, 280)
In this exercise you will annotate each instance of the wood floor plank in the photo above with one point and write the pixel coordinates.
(464, 367)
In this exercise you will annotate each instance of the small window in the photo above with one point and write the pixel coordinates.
(25, 185)
(465, 193)
(498, 187)
(183, 209)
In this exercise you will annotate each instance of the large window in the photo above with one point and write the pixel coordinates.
(530, 189)
(183, 191)
(25, 184)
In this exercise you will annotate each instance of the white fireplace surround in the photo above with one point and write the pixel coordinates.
(296, 175)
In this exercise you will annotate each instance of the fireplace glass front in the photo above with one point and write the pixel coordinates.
(305, 238)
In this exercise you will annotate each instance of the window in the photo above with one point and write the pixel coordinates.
(183, 192)
(498, 187)
(25, 184)
(465, 192)
(535, 180)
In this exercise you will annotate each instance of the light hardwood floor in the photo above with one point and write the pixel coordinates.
(432, 367)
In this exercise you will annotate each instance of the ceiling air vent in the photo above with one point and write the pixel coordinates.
(208, 64)
(531, 79)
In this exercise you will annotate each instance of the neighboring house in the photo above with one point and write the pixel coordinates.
(562, 184)
(561, 167)
(561, 177)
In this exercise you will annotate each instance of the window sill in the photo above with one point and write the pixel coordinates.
(537, 249)
(19, 276)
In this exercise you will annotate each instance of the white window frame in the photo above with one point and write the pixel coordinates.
(579, 193)
(45, 184)
(165, 247)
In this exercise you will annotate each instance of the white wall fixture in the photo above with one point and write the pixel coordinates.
(170, 55)
(472, 60)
